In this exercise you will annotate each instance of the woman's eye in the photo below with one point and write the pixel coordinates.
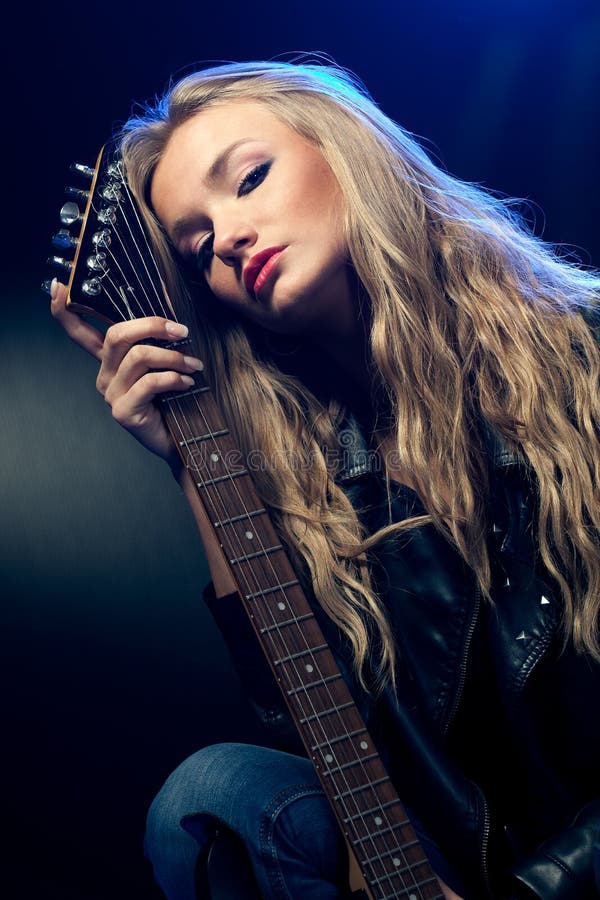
(255, 177)
(204, 253)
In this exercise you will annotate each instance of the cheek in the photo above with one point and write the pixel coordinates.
(318, 193)
(223, 283)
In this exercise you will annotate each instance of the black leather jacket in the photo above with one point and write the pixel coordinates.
(493, 736)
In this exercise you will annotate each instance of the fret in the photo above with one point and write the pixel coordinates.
(203, 389)
(380, 856)
(397, 873)
(208, 481)
(361, 787)
(409, 896)
(292, 656)
(405, 892)
(271, 590)
(314, 684)
(416, 887)
(373, 811)
(177, 344)
(353, 762)
(198, 438)
(294, 621)
(380, 831)
(256, 554)
(326, 712)
(248, 515)
(341, 737)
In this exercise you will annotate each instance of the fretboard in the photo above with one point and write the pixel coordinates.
(336, 739)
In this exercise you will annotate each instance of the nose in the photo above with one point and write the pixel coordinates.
(232, 237)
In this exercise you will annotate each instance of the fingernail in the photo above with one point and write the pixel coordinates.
(176, 329)
(187, 380)
(193, 363)
(53, 288)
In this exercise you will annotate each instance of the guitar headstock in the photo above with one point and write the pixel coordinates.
(112, 271)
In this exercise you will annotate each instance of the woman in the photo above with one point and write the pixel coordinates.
(420, 376)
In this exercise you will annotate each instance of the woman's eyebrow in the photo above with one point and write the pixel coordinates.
(216, 168)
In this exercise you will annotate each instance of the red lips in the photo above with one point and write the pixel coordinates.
(259, 268)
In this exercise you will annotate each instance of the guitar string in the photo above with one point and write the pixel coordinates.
(160, 296)
(310, 651)
(359, 761)
(116, 205)
(121, 305)
(177, 398)
(132, 294)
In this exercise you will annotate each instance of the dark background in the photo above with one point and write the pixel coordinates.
(112, 671)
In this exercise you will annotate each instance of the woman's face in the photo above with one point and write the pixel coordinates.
(257, 209)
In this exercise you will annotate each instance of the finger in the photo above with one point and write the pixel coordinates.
(136, 410)
(77, 328)
(139, 360)
(121, 337)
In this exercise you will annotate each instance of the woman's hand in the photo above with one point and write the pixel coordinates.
(133, 374)
(448, 893)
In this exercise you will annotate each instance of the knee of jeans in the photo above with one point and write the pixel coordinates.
(181, 795)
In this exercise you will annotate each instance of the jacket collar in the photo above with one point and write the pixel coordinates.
(359, 459)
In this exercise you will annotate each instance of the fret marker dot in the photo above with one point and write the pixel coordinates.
(378, 820)
(249, 535)
(396, 861)
(328, 758)
(364, 745)
(214, 457)
(281, 605)
(412, 897)
(309, 668)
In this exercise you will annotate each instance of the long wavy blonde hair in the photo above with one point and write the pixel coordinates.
(474, 323)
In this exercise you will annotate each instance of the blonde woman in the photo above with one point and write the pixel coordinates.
(420, 377)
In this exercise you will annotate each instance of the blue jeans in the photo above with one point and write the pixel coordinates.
(273, 801)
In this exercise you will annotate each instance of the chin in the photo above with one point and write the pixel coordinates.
(285, 318)
(285, 327)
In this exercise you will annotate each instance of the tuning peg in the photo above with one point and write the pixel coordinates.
(64, 264)
(77, 194)
(115, 170)
(111, 192)
(97, 263)
(80, 169)
(91, 287)
(107, 215)
(102, 238)
(70, 214)
(63, 240)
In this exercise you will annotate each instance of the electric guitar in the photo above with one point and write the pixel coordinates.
(113, 275)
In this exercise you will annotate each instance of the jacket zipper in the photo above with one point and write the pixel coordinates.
(462, 670)
(458, 697)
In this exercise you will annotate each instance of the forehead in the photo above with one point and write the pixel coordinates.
(187, 164)
(207, 133)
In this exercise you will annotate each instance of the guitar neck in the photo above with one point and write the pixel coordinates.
(336, 739)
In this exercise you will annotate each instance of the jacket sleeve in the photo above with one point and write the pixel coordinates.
(254, 671)
(566, 867)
